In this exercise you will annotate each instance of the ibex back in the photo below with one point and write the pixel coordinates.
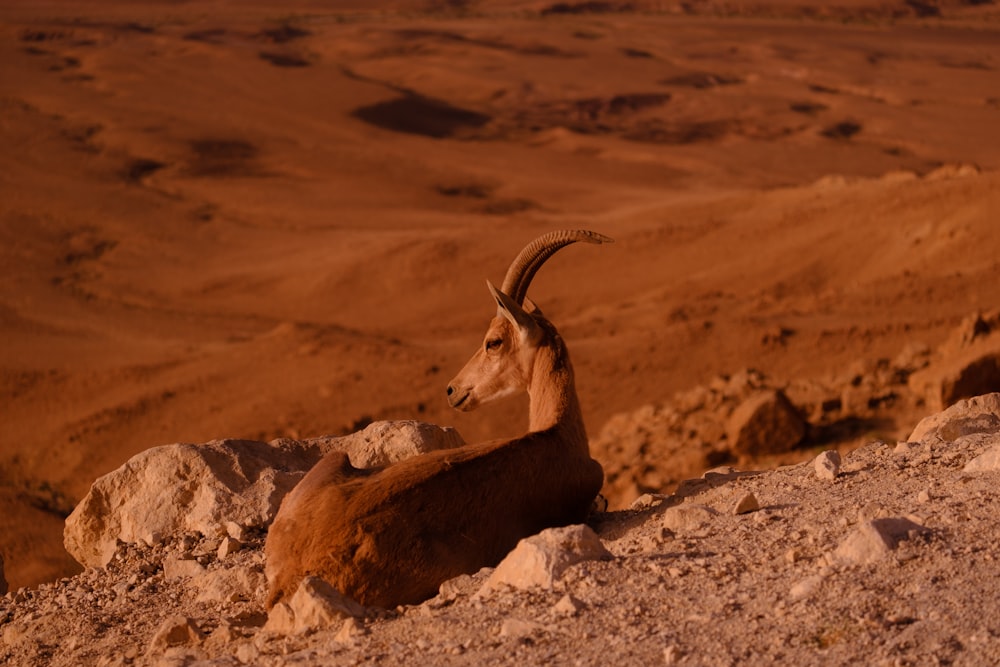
(392, 535)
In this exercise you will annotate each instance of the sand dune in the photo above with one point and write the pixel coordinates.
(230, 219)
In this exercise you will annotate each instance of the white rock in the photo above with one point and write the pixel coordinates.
(827, 465)
(747, 503)
(229, 545)
(385, 442)
(183, 489)
(540, 560)
(874, 540)
(315, 604)
(235, 530)
(686, 518)
(985, 462)
(980, 414)
(221, 487)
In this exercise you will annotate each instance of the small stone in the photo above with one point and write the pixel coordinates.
(873, 540)
(924, 496)
(229, 545)
(177, 568)
(540, 560)
(228, 584)
(153, 539)
(806, 587)
(175, 631)
(671, 655)
(568, 606)
(450, 589)
(746, 504)
(827, 465)
(599, 505)
(985, 462)
(235, 530)
(686, 518)
(247, 653)
(515, 628)
(647, 501)
(315, 604)
(349, 631)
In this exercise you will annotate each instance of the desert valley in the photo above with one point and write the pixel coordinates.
(262, 220)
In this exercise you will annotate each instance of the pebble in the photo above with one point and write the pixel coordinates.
(568, 606)
(647, 501)
(682, 518)
(827, 465)
(806, 587)
(350, 631)
(747, 503)
(229, 545)
(175, 568)
(515, 628)
(874, 540)
(235, 530)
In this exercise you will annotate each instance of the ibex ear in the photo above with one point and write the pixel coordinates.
(508, 308)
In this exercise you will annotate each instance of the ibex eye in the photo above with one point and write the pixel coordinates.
(493, 344)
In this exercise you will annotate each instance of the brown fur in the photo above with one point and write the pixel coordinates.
(391, 536)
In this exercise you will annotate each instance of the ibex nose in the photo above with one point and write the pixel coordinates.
(457, 396)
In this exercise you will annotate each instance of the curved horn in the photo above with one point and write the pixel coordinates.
(529, 260)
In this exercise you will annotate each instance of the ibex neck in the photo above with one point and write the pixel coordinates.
(553, 400)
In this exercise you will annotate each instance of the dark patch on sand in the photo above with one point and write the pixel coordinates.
(416, 114)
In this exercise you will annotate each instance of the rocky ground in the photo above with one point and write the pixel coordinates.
(887, 558)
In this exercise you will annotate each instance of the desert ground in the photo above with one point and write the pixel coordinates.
(260, 220)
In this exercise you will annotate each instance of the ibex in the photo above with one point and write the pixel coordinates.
(390, 536)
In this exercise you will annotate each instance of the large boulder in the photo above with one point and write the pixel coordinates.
(765, 423)
(979, 414)
(966, 365)
(210, 488)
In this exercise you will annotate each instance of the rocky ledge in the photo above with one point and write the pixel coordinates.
(888, 557)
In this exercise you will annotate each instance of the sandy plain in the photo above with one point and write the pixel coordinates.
(223, 219)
